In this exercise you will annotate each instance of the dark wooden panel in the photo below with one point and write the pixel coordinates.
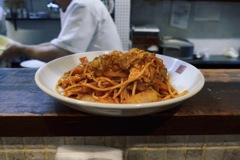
(27, 111)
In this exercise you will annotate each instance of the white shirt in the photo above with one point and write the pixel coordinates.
(2, 22)
(87, 26)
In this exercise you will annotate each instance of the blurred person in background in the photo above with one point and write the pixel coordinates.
(86, 25)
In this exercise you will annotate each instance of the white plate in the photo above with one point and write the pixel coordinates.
(33, 63)
(184, 76)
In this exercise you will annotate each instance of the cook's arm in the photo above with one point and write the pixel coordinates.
(45, 52)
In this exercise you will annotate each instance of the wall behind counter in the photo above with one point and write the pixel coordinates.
(223, 29)
(33, 31)
(159, 13)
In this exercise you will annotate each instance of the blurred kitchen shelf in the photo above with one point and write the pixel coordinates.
(24, 19)
(15, 20)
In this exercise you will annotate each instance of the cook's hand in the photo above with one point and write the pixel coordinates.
(12, 50)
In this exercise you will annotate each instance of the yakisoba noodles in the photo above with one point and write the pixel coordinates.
(132, 77)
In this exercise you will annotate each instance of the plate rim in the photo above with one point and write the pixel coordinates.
(113, 105)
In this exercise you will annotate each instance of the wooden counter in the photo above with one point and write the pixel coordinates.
(25, 110)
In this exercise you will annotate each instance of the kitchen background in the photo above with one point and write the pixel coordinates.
(36, 29)
(211, 26)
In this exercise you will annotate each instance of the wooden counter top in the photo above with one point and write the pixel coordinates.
(25, 110)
